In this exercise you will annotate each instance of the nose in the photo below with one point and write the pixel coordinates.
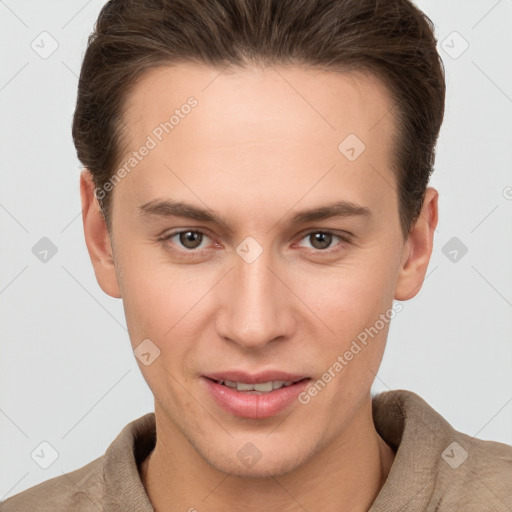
(256, 306)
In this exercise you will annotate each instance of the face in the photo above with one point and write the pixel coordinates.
(262, 285)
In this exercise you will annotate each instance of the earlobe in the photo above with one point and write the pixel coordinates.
(418, 248)
(97, 237)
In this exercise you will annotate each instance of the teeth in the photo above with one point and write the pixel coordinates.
(240, 386)
(262, 387)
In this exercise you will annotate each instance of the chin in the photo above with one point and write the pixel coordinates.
(273, 464)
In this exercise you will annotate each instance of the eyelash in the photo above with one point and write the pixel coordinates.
(164, 239)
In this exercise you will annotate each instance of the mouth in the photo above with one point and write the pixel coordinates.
(254, 396)
(257, 388)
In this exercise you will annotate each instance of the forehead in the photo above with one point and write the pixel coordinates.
(267, 98)
(255, 129)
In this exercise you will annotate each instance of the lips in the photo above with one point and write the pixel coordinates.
(240, 397)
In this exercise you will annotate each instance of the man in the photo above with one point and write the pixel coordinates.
(255, 190)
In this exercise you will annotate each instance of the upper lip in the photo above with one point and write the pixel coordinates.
(255, 378)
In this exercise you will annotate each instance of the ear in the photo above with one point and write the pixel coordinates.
(97, 237)
(418, 248)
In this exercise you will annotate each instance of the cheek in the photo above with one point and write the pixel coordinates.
(352, 295)
(155, 295)
(159, 304)
(357, 305)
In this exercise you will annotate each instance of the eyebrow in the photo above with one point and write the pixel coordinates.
(170, 208)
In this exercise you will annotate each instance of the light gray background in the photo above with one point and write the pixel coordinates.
(68, 375)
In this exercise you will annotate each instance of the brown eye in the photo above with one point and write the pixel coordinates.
(187, 242)
(191, 239)
(327, 242)
(320, 240)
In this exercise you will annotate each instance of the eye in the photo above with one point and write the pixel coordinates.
(188, 239)
(322, 240)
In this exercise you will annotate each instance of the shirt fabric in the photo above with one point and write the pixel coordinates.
(436, 468)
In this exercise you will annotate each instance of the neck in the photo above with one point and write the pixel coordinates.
(346, 474)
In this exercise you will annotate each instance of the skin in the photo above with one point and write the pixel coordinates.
(257, 150)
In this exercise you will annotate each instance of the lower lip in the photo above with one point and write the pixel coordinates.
(248, 405)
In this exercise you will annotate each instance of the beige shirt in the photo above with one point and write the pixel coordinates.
(436, 468)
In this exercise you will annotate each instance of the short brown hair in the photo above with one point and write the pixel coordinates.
(392, 39)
